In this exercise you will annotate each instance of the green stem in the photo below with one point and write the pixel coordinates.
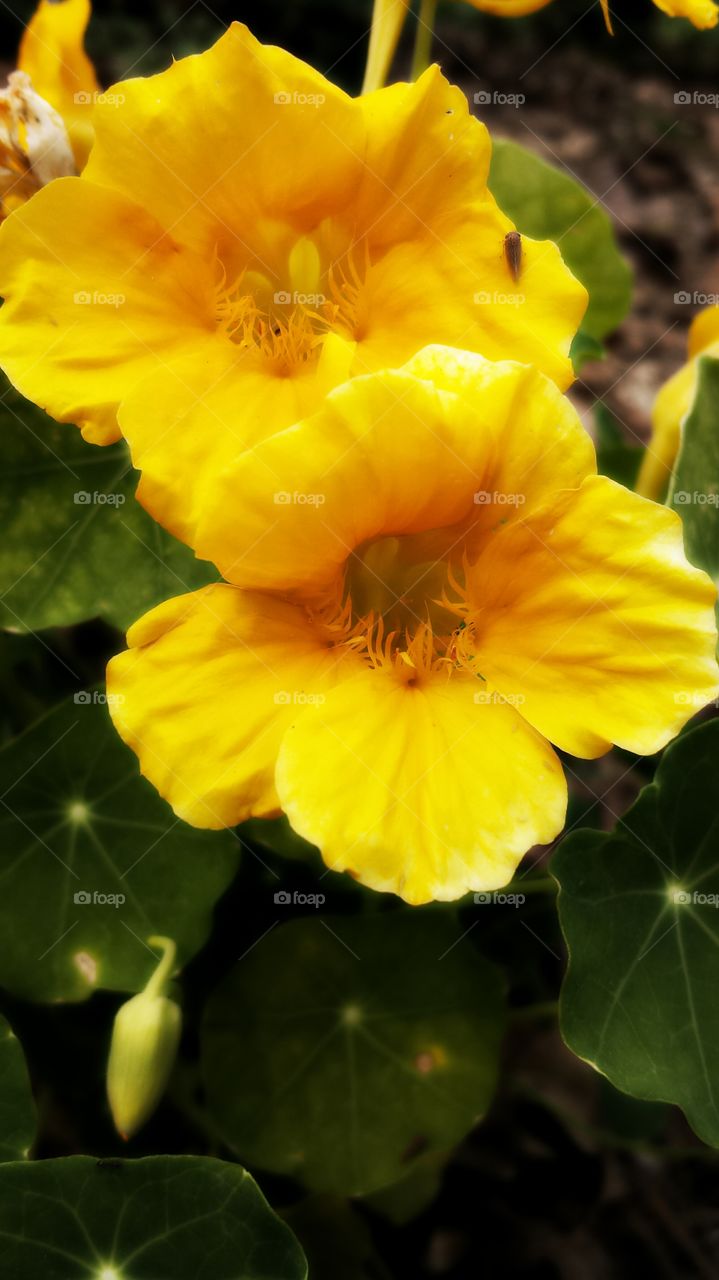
(530, 1012)
(423, 39)
(159, 979)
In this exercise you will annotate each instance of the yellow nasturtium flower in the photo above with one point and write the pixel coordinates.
(244, 238)
(427, 583)
(702, 13)
(672, 405)
(509, 8)
(45, 111)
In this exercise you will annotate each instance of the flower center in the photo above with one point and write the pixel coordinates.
(387, 578)
(285, 326)
(400, 609)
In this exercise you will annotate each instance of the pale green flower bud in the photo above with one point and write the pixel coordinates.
(145, 1037)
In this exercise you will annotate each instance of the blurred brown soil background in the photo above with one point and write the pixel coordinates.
(653, 164)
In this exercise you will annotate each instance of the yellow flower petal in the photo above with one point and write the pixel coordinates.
(131, 299)
(422, 791)
(672, 404)
(53, 55)
(241, 140)
(456, 289)
(591, 615)
(393, 454)
(209, 685)
(181, 421)
(702, 13)
(703, 331)
(510, 8)
(541, 445)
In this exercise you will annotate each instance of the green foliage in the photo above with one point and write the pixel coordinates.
(694, 491)
(341, 1049)
(616, 458)
(77, 821)
(17, 1110)
(547, 204)
(640, 912)
(76, 543)
(336, 1240)
(163, 1218)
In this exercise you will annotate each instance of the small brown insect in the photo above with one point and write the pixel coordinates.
(110, 1164)
(513, 253)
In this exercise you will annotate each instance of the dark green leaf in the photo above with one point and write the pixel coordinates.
(276, 836)
(17, 1109)
(162, 1218)
(341, 1049)
(76, 543)
(336, 1240)
(406, 1199)
(640, 913)
(616, 458)
(584, 349)
(547, 204)
(694, 490)
(79, 826)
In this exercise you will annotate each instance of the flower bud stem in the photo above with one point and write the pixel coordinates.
(422, 55)
(158, 981)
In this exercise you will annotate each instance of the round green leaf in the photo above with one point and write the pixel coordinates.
(92, 861)
(17, 1109)
(76, 543)
(162, 1218)
(640, 913)
(547, 204)
(339, 1049)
